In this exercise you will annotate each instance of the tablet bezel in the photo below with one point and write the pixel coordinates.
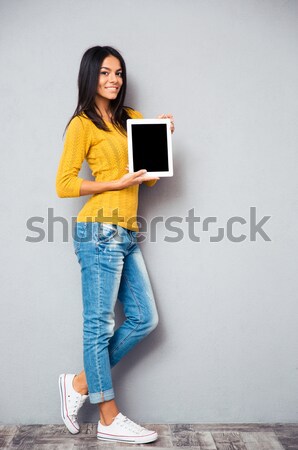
(130, 122)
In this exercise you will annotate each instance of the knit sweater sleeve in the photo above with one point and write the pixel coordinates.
(76, 145)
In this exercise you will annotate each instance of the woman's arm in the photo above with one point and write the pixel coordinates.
(76, 145)
(129, 179)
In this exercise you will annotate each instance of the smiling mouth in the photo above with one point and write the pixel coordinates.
(113, 87)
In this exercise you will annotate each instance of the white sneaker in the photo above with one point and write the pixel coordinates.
(71, 402)
(123, 429)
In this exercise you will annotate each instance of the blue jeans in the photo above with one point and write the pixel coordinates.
(112, 267)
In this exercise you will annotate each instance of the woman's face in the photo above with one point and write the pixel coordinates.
(110, 78)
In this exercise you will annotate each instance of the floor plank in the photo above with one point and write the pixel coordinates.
(7, 433)
(288, 437)
(228, 440)
(186, 435)
(261, 441)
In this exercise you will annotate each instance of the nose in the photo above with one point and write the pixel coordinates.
(112, 77)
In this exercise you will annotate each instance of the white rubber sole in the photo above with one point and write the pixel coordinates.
(128, 439)
(64, 414)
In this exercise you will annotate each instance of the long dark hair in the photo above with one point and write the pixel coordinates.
(87, 84)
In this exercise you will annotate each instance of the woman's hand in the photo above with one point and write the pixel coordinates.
(131, 179)
(168, 116)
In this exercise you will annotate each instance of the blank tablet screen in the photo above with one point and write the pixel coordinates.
(150, 150)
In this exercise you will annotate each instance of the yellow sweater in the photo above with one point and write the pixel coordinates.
(107, 156)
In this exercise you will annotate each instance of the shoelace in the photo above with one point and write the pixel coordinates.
(130, 425)
(79, 400)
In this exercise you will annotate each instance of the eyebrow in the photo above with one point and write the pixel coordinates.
(103, 67)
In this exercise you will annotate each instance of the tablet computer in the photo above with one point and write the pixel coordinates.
(150, 146)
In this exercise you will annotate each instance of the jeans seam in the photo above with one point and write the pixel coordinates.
(99, 326)
(138, 325)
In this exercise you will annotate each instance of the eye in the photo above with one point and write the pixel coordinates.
(103, 73)
(119, 74)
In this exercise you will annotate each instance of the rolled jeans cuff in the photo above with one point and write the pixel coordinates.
(99, 397)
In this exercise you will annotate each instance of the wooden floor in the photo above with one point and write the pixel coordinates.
(179, 436)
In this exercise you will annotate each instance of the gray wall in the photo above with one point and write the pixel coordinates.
(226, 346)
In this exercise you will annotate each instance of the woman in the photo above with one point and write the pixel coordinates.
(105, 242)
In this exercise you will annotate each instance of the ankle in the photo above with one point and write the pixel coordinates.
(79, 387)
(107, 419)
(106, 422)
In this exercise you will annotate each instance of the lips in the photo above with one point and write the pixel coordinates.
(112, 88)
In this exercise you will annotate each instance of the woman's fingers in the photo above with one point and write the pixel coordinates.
(150, 179)
(135, 177)
(165, 116)
(139, 172)
(130, 179)
(142, 175)
(168, 116)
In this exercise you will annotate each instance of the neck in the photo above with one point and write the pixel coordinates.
(103, 107)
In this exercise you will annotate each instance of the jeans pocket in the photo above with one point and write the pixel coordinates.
(106, 232)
